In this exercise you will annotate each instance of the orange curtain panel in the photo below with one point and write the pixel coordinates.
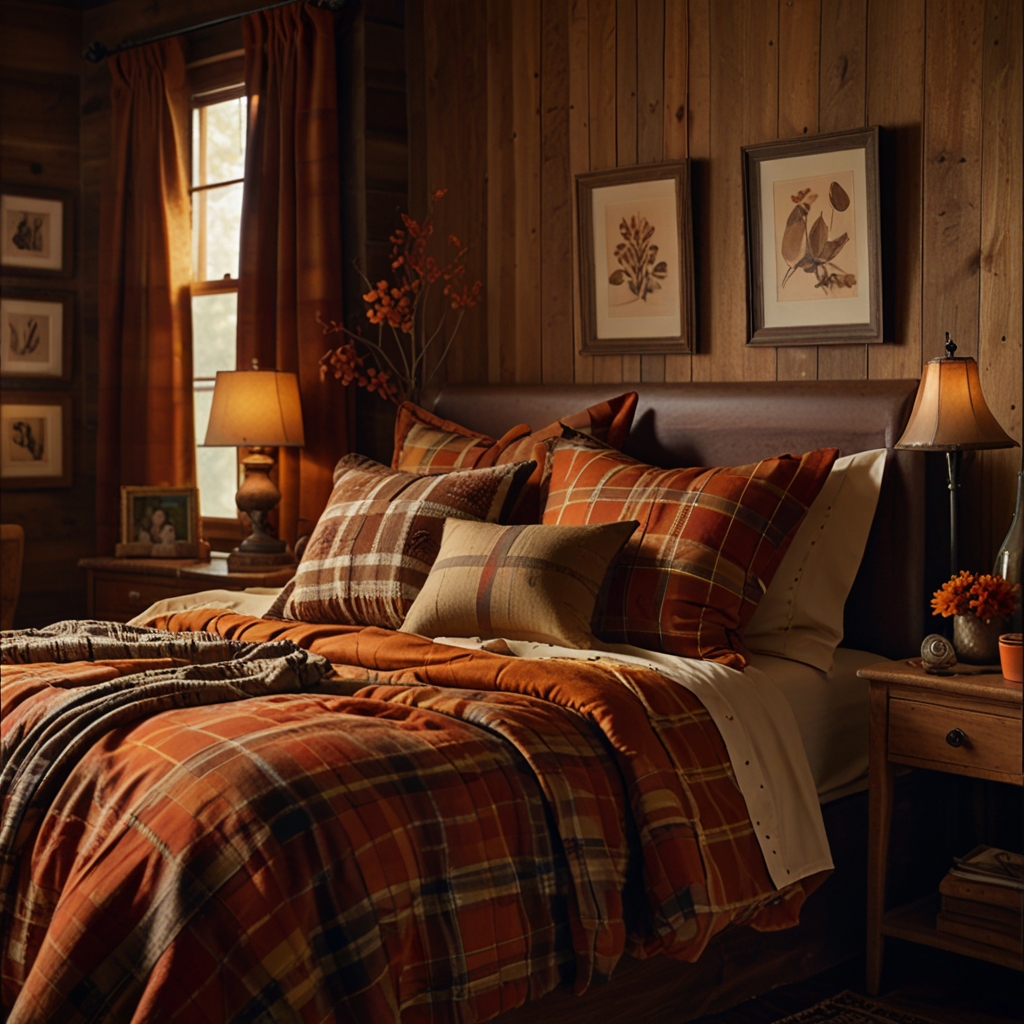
(291, 238)
(145, 428)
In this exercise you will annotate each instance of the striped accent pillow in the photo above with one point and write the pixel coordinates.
(374, 545)
(708, 545)
(517, 582)
(425, 443)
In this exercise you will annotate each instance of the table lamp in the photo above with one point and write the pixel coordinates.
(260, 410)
(950, 415)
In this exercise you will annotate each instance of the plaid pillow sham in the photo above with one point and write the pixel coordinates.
(709, 542)
(374, 545)
(517, 582)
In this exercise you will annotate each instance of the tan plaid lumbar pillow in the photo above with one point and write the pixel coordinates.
(517, 582)
(374, 545)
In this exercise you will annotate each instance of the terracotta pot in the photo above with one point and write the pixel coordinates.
(977, 641)
(1011, 657)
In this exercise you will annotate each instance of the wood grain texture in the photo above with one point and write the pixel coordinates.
(626, 118)
(896, 102)
(699, 135)
(579, 161)
(526, 134)
(556, 197)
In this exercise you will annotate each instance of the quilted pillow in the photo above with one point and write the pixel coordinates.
(517, 582)
(425, 443)
(374, 545)
(708, 545)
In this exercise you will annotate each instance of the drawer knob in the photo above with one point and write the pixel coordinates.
(134, 596)
(956, 737)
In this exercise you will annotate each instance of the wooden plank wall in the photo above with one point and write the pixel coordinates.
(519, 97)
(39, 146)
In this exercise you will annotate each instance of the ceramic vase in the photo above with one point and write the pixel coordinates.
(976, 641)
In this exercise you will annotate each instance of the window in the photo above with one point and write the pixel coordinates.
(218, 169)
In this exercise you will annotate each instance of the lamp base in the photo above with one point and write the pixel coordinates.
(257, 496)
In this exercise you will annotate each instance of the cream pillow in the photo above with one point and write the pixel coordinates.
(800, 616)
(537, 583)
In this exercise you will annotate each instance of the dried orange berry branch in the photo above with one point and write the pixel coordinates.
(983, 596)
(401, 370)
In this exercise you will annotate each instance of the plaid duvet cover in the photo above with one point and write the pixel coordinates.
(426, 834)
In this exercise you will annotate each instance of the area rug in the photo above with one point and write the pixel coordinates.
(849, 1008)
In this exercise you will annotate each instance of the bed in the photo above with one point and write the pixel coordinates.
(555, 863)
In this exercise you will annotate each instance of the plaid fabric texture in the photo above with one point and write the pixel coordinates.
(517, 582)
(379, 535)
(444, 836)
(425, 443)
(708, 545)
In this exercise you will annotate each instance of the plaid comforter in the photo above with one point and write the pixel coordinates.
(425, 834)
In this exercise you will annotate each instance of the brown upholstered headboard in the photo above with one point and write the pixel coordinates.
(730, 424)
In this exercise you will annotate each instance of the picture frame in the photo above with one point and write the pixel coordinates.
(36, 333)
(814, 269)
(159, 522)
(36, 231)
(636, 260)
(35, 439)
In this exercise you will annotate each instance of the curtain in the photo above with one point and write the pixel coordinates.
(291, 239)
(145, 432)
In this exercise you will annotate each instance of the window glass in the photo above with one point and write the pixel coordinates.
(214, 321)
(217, 221)
(225, 141)
(216, 468)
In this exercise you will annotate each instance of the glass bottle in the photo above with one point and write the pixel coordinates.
(1011, 555)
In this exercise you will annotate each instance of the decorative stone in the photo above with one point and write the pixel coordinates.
(937, 652)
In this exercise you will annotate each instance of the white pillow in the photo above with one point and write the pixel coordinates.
(800, 616)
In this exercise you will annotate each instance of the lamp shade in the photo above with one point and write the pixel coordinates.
(950, 413)
(256, 408)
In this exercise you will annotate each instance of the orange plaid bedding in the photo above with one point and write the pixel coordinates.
(426, 834)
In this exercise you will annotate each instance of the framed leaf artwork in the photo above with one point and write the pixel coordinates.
(35, 333)
(636, 260)
(36, 232)
(35, 439)
(813, 241)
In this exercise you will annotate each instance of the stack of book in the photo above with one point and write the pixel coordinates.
(982, 897)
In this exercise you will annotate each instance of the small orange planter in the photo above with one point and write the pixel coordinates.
(1011, 653)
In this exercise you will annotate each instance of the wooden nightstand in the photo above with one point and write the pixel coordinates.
(968, 725)
(120, 588)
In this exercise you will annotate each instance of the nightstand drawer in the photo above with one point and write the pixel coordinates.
(130, 597)
(918, 732)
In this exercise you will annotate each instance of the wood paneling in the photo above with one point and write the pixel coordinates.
(663, 79)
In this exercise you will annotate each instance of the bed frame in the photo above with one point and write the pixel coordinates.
(732, 424)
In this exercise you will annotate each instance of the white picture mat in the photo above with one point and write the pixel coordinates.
(52, 463)
(12, 364)
(10, 254)
(668, 325)
(833, 310)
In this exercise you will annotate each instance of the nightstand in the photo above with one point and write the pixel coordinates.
(964, 724)
(120, 588)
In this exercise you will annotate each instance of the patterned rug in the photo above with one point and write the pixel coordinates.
(848, 1008)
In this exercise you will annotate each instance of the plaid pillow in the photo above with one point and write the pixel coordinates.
(425, 443)
(708, 545)
(374, 545)
(517, 582)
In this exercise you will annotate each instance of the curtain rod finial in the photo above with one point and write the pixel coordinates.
(96, 53)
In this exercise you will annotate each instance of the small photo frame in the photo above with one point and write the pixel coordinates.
(813, 240)
(35, 439)
(35, 333)
(636, 260)
(35, 231)
(159, 522)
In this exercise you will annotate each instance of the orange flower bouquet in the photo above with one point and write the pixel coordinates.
(981, 596)
(399, 369)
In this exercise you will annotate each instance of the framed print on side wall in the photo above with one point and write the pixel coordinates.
(35, 333)
(813, 240)
(35, 231)
(35, 439)
(636, 260)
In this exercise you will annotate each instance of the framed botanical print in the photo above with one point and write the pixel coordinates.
(636, 260)
(35, 231)
(813, 243)
(35, 333)
(35, 439)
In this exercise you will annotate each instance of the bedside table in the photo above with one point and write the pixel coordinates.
(967, 725)
(120, 588)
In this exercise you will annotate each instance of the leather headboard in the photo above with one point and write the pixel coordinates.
(730, 424)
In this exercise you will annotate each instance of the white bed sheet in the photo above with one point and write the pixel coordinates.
(831, 712)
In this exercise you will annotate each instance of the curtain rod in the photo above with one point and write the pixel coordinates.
(97, 52)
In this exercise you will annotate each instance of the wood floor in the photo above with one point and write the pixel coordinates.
(938, 986)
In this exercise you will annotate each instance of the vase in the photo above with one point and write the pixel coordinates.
(1010, 557)
(976, 641)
